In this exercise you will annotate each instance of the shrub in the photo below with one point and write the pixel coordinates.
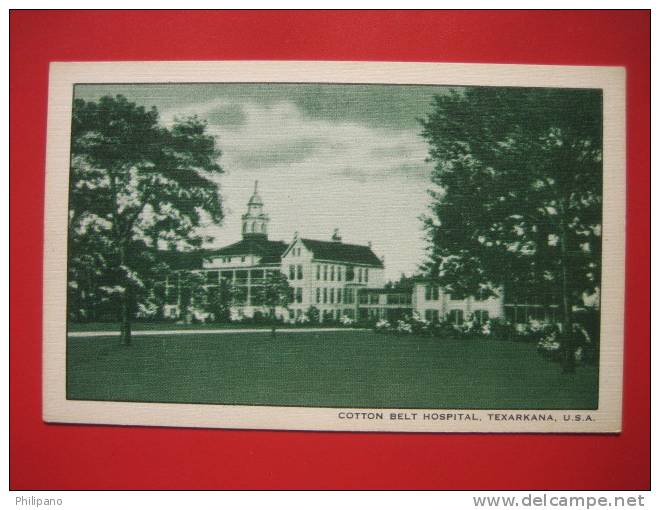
(313, 315)
(383, 326)
(346, 321)
(549, 347)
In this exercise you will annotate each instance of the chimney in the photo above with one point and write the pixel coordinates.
(336, 237)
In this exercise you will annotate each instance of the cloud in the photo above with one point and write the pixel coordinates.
(317, 174)
(231, 115)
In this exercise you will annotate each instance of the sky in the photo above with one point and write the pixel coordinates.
(326, 156)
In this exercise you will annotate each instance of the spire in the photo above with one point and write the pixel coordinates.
(255, 199)
(255, 221)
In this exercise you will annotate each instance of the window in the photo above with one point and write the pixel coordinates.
(325, 295)
(338, 295)
(338, 273)
(318, 294)
(292, 272)
(325, 273)
(318, 272)
(432, 292)
(299, 295)
(349, 297)
(482, 294)
(359, 274)
(291, 312)
(299, 272)
(481, 316)
(332, 295)
(373, 299)
(431, 315)
(455, 317)
(366, 275)
(350, 274)
(298, 313)
(332, 273)
(242, 259)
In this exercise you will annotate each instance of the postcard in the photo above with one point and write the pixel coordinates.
(335, 246)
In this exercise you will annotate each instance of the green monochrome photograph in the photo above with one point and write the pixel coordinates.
(334, 246)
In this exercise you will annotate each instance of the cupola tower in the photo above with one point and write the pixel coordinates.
(255, 221)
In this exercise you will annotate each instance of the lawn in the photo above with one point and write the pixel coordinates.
(336, 369)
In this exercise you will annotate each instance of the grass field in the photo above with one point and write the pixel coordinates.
(337, 369)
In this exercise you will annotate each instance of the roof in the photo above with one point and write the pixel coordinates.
(255, 200)
(342, 252)
(181, 259)
(270, 251)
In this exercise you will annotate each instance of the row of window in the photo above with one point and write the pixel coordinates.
(227, 260)
(213, 277)
(335, 273)
(432, 293)
(331, 295)
(521, 314)
(456, 316)
(390, 299)
(325, 314)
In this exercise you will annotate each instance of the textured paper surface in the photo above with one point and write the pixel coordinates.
(57, 408)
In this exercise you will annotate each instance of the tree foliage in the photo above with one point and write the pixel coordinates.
(517, 194)
(274, 292)
(135, 186)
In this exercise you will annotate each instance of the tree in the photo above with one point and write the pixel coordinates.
(518, 194)
(135, 184)
(404, 283)
(274, 292)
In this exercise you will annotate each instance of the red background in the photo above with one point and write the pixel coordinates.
(103, 457)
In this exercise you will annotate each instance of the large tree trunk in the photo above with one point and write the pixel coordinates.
(125, 328)
(567, 336)
(125, 331)
(273, 322)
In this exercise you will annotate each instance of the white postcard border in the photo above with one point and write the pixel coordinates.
(63, 76)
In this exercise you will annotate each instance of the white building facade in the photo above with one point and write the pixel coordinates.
(326, 275)
(434, 304)
(335, 278)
